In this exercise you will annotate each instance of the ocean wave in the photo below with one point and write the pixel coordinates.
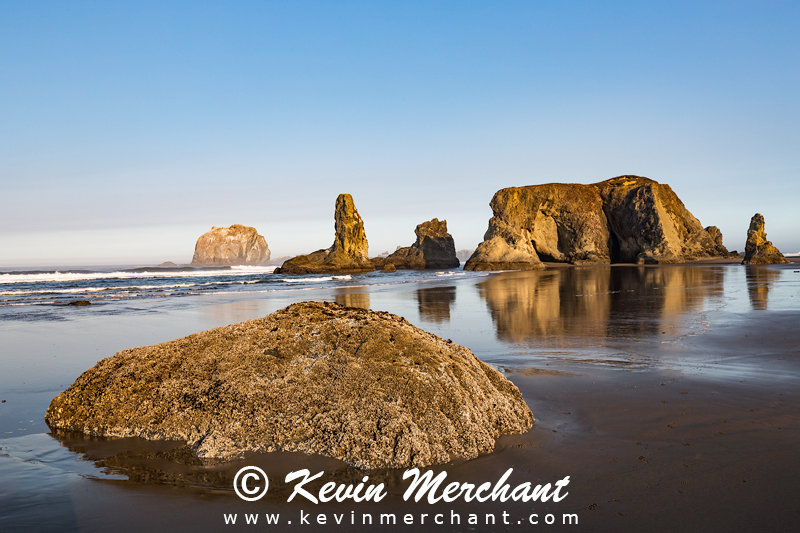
(345, 277)
(46, 277)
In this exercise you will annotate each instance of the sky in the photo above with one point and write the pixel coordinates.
(128, 129)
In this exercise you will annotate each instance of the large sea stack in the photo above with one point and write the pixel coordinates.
(234, 245)
(433, 249)
(361, 386)
(758, 250)
(628, 219)
(349, 252)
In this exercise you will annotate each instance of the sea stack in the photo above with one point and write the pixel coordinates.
(716, 236)
(234, 245)
(361, 386)
(349, 252)
(758, 250)
(628, 219)
(433, 249)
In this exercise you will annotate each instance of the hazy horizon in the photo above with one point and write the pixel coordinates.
(131, 129)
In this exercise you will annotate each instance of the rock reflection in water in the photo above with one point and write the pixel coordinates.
(144, 462)
(759, 282)
(352, 297)
(434, 303)
(566, 307)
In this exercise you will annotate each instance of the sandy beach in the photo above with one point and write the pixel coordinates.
(667, 395)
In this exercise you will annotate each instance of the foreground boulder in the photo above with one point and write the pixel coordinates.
(758, 250)
(361, 386)
(349, 252)
(234, 245)
(628, 219)
(433, 249)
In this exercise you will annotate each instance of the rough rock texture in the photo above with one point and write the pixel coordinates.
(349, 252)
(389, 268)
(407, 257)
(628, 219)
(365, 387)
(504, 247)
(433, 249)
(716, 236)
(234, 245)
(758, 250)
(649, 223)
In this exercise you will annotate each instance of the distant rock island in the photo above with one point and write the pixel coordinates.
(627, 219)
(433, 249)
(361, 386)
(465, 254)
(349, 252)
(234, 245)
(758, 250)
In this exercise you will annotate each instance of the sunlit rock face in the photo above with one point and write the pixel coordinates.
(349, 251)
(758, 250)
(628, 219)
(234, 245)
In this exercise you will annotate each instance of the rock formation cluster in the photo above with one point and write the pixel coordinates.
(361, 386)
(234, 245)
(628, 219)
(758, 250)
(349, 252)
(433, 249)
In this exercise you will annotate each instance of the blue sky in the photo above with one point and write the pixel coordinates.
(128, 129)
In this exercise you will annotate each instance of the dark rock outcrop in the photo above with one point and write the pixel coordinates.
(234, 245)
(758, 250)
(361, 386)
(716, 237)
(349, 252)
(389, 268)
(628, 219)
(649, 224)
(433, 249)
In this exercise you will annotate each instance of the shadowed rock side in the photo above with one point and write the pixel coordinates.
(364, 387)
(758, 250)
(716, 236)
(433, 249)
(650, 225)
(234, 245)
(349, 252)
(628, 219)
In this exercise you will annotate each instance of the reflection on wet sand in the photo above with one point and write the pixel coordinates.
(591, 306)
(434, 303)
(523, 304)
(136, 461)
(352, 297)
(759, 282)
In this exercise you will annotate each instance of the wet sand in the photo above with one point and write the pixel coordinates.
(671, 402)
